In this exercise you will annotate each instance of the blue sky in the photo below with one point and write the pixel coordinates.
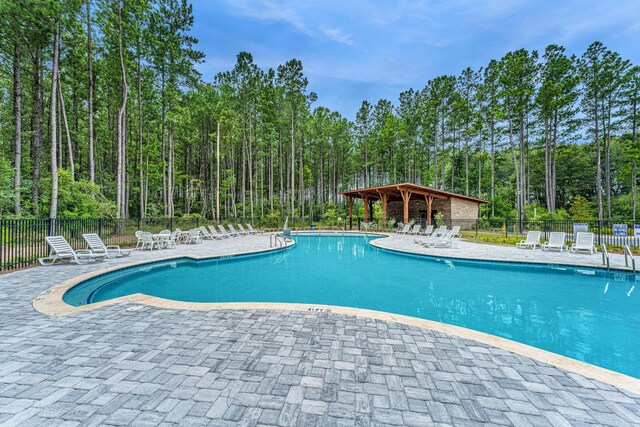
(355, 50)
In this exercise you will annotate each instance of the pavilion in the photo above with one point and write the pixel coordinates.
(418, 200)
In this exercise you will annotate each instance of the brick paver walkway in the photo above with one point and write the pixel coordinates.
(132, 365)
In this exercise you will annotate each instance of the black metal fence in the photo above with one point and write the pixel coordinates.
(22, 240)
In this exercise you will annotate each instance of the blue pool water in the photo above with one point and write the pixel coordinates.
(587, 314)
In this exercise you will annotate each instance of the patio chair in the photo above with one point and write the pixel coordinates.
(584, 243)
(61, 250)
(405, 229)
(415, 230)
(195, 236)
(456, 231)
(215, 233)
(232, 231)
(97, 246)
(139, 237)
(254, 230)
(556, 242)
(531, 242)
(223, 231)
(428, 230)
(149, 242)
(171, 241)
(241, 232)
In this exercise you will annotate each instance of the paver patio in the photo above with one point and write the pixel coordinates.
(127, 364)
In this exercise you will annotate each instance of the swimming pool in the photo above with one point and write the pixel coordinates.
(586, 314)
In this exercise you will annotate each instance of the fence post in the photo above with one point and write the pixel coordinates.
(477, 220)
(171, 223)
(599, 232)
(506, 229)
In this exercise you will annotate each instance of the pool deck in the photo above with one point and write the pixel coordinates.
(132, 364)
(472, 250)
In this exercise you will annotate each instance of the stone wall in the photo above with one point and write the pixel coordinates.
(463, 209)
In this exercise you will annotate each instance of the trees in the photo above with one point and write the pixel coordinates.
(126, 110)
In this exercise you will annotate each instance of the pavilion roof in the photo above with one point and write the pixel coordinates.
(415, 190)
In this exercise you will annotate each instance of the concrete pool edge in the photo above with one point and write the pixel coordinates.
(376, 243)
(50, 303)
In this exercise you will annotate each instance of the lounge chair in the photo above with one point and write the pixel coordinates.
(531, 242)
(436, 235)
(233, 231)
(97, 246)
(405, 229)
(446, 241)
(428, 230)
(556, 242)
(584, 243)
(61, 250)
(241, 232)
(223, 231)
(415, 230)
(215, 233)
(251, 229)
(456, 231)
(205, 233)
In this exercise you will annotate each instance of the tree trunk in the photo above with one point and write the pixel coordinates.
(53, 212)
(122, 112)
(66, 127)
(17, 135)
(37, 128)
(92, 166)
(140, 167)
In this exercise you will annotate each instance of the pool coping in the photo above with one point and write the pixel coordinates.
(50, 303)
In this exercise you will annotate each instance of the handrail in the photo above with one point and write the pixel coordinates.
(605, 257)
(627, 253)
(275, 240)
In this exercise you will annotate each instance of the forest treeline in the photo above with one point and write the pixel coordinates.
(103, 113)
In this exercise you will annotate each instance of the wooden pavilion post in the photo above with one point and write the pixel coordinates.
(406, 195)
(350, 213)
(365, 199)
(429, 200)
(384, 197)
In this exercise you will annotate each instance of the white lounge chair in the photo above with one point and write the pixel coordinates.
(531, 242)
(215, 233)
(204, 233)
(97, 246)
(224, 232)
(241, 232)
(436, 235)
(446, 241)
(232, 231)
(61, 250)
(428, 230)
(415, 230)
(584, 243)
(405, 229)
(456, 231)
(254, 230)
(556, 242)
